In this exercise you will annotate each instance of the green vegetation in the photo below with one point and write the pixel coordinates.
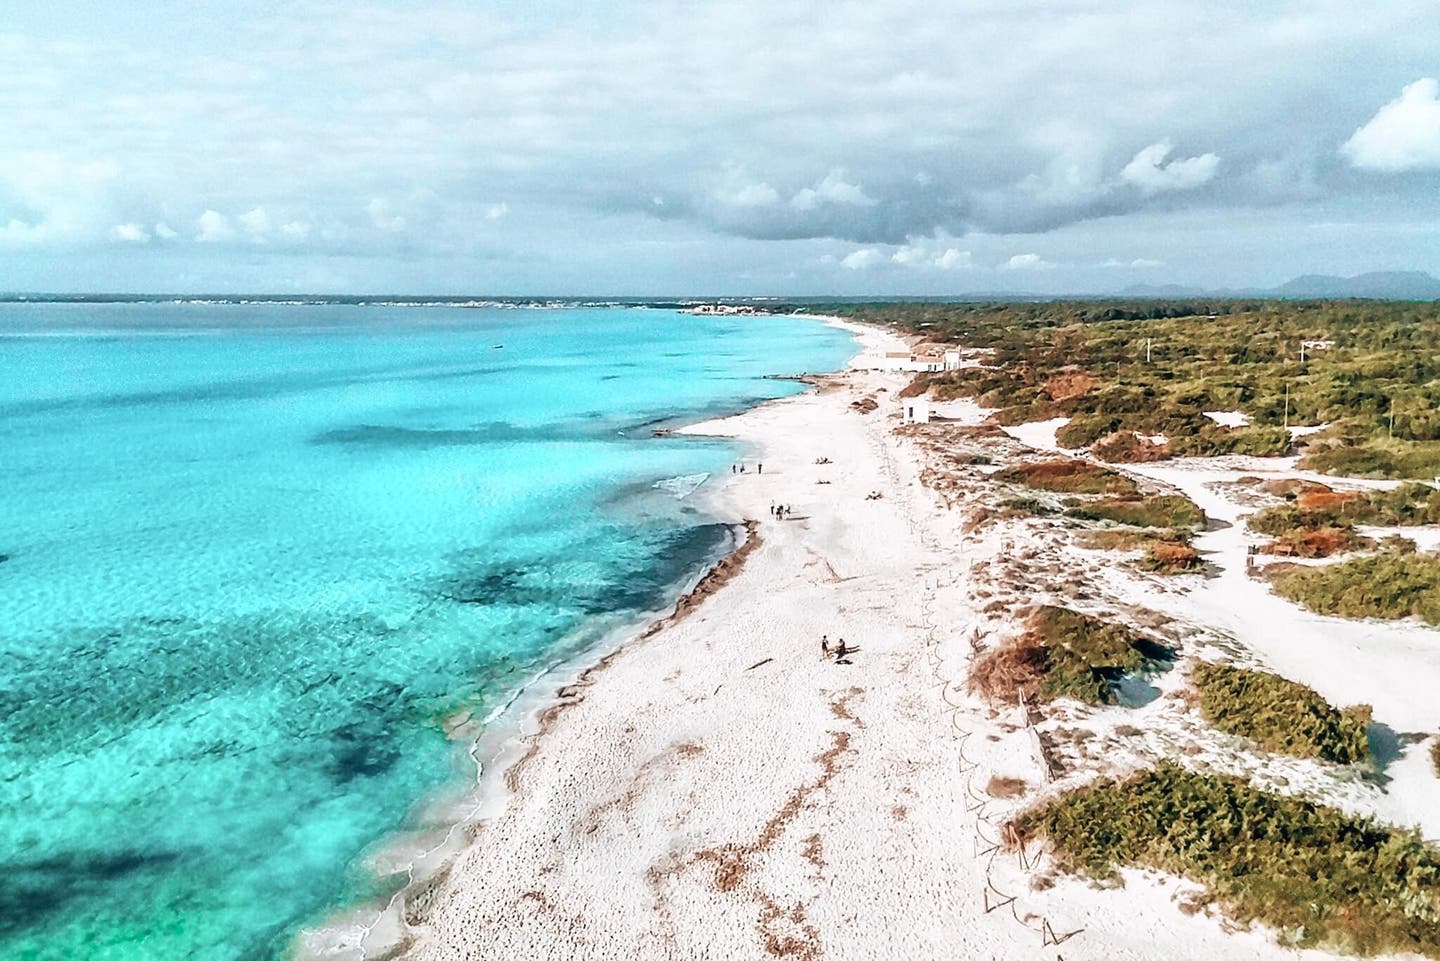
(1386, 586)
(1316, 521)
(1164, 510)
(1378, 385)
(1332, 453)
(1166, 551)
(1435, 755)
(1027, 507)
(1315, 505)
(1065, 654)
(1324, 879)
(1170, 557)
(1280, 715)
(1068, 476)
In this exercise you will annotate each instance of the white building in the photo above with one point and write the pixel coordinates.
(952, 360)
(916, 410)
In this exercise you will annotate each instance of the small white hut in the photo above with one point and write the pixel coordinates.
(952, 360)
(916, 410)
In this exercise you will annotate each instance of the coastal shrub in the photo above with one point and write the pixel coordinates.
(1279, 714)
(917, 387)
(1435, 755)
(1170, 557)
(1128, 447)
(1315, 542)
(1313, 506)
(1162, 510)
(1309, 525)
(1070, 384)
(1320, 877)
(1028, 507)
(1064, 653)
(1395, 459)
(1082, 430)
(1039, 409)
(1117, 539)
(1165, 551)
(1395, 544)
(1386, 586)
(1156, 366)
(1068, 476)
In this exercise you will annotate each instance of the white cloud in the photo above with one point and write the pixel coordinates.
(734, 189)
(1151, 174)
(918, 253)
(863, 259)
(295, 230)
(256, 223)
(834, 189)
(1403, 135)
(130, 233)
(496, 211)
(395, 94)
(213, 228)
(1139, 263)
(953, 259)
(1028, 262)
(165, 232)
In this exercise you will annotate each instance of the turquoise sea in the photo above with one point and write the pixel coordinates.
(252, 554)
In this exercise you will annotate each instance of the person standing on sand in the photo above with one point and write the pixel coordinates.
(840, 651)
(824, 646)
(759, 468)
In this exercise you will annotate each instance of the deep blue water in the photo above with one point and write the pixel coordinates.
(254, 554)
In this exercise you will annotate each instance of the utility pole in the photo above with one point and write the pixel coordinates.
(1147, 350)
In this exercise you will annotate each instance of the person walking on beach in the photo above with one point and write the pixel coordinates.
(824, 646)
(759, 468)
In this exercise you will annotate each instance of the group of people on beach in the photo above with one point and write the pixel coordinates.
(780, 511)
(740, 468)
(839, 649)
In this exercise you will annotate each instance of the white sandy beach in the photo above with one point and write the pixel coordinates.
(718, 790)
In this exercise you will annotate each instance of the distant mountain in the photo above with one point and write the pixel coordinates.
(1380, 285)
(1163, 291)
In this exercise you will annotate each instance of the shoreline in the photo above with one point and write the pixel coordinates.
(711, 787)
(623, 689)
(512, 734)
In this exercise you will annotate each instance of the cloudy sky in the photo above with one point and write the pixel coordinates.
(692, 147)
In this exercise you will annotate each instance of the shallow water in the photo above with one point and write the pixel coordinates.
(253, 554)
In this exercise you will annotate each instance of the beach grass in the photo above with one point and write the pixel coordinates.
(1320, 877)
(1064, 653)
(1316, 521)
(1170, 557)
(1163, 510)
(1156, 368)
(1279, 714)
(1068, 475)
(1165, 551)
(1386, 586)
